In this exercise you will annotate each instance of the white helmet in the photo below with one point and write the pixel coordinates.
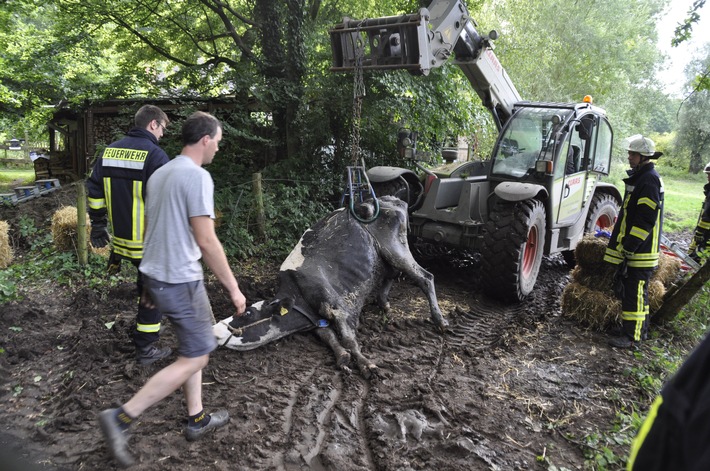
(707, 168)
(643, 146)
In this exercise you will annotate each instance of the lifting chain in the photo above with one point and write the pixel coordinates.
(358, 95)
(358, 183)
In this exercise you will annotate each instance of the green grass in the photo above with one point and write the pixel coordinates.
(683, 194)
(9, 177)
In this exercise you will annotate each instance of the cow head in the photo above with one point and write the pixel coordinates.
(263, 322)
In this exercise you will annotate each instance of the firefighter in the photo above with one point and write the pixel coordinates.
(676, 431)
(701, 238)
(634, 243)
(116, 192)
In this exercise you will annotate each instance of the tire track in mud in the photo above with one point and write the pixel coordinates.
(323, 424)
(413, 405)
(310, 412)
(481, 327)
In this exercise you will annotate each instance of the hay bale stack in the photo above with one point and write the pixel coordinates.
(589, 297)
(64, 231)
(6, 255)
(592, 308)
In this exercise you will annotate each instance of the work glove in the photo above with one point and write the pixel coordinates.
(99, 234)
(617, 284)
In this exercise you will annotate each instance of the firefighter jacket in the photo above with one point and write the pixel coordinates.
(637, 233)
(676, 432)
(117, 187)
(702, 231)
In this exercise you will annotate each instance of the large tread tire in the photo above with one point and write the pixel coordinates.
(514, 242)
(603, 211)
(408, 191)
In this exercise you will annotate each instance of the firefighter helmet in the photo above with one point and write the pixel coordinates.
(643, 146)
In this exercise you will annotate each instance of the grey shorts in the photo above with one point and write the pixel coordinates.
(189, 311)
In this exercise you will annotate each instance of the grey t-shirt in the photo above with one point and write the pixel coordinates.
(176, 192)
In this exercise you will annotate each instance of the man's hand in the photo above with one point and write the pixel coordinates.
(239, 301)
(99, 234)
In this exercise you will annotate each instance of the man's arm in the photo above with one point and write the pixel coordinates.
(97, 207)
(215, 258)
(647, 213)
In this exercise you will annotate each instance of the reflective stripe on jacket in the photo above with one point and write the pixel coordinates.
(117, 186)
(702, 231)
(637, 233)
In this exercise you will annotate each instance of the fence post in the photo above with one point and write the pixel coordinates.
(259, 203)
(82, 248)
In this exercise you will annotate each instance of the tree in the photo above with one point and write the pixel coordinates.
(557, 50)
(693, 135)
(41, 66)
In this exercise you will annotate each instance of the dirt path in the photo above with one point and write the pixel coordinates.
(503, 388)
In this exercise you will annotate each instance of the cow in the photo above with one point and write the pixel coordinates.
(328, 277)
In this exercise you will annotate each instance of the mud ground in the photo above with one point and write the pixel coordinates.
(505, 388)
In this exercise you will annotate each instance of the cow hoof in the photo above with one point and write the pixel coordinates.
(343, 359)
(442, 324)
(371, 371)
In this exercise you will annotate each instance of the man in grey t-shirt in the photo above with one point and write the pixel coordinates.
(180, 231)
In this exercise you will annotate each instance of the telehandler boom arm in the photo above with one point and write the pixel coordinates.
(421, 41)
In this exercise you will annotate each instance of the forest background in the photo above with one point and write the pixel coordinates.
(296, 122)
(295, 125)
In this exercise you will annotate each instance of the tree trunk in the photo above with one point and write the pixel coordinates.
(676, 299)
(283, 67)
(696, 162)
(82, 247)
(259, 206)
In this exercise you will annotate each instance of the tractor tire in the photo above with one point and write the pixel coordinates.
(408, 191)
(514, 242)
(602, 214)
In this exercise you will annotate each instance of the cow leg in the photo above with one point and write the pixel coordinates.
(346, 323)
(383, 294)
(405, 263)
(327, 335)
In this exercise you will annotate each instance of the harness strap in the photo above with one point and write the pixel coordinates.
(307, 313)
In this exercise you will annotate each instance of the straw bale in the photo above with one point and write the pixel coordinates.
(668, 270)
(599, 279)
(591, 308)
(6, 254)
(64, 228)
(589, 252)
(656, 292)
(64, 223)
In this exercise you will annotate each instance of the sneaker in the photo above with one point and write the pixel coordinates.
(622, 341)
(151, 354)
(217, 420)
(116, 439)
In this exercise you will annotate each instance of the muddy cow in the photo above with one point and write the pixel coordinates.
(325, 281)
